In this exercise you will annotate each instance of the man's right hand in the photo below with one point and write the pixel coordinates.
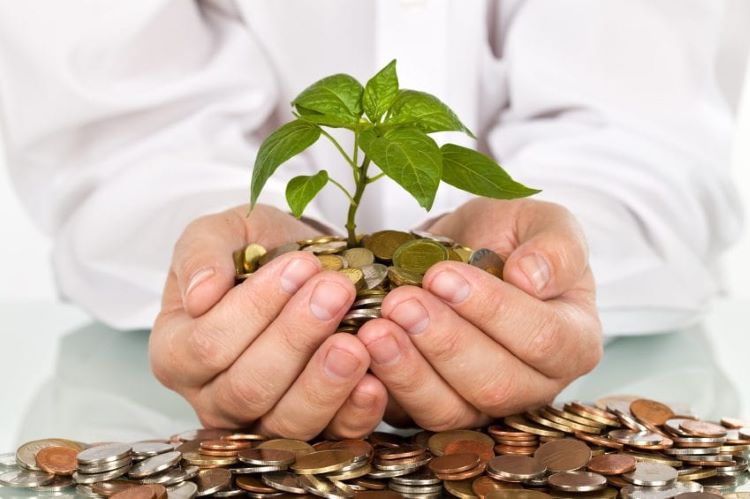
(260, 354)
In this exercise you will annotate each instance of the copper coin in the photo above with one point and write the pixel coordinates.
(454, 463)
(400, 452)
(108, 489)
(514, 449)
(266, 457)
(378, 494)
(651, 411)
(481, 449)
(484, 485)
(577, 481)
(612, 464)
(323, 461)
(565, 454)
(515, 468)
(160, 492)
(702, 428)
(599, 440)
(253, 484)
(57, 460)
(213, 480)
(734, 423)
(139, 492)
(517, 494)
(225, 445)
(506, 432)
(359, 448)
(698, 495)
(250, 437)
(463, 475)
(370, 483)
(218, 453)
(381, 439)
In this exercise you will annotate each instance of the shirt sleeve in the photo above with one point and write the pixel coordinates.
(123, 122)
(615, 113)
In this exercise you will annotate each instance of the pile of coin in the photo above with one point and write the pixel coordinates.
(626, 446)
(383, 261)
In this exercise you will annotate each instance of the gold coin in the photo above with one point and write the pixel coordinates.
(439, 441)
(251, 256)
(359, 257)
(518, 422)
(323, 461)
(328, 248)
(297, 447)
(276, 252)
(461, 488)
(464, 252)
(384, 243)
(356, 276)
(204, 461)
(238, 257)
(332, 262)
(454, 256)
(400, 277)
(419, 255)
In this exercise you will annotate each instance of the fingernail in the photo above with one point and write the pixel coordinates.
(384, 350)
(450, 286)
(411, 315)
(296, 273)
(362, 399)
(536, 269)
(340, 363)
(197, 278)
(327, 300)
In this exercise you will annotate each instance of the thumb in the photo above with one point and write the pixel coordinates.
(552, 256)
(202, 262)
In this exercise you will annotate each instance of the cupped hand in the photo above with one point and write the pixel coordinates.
(264, 352)
(468, 347)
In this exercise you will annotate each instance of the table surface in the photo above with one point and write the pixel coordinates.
(49, 347)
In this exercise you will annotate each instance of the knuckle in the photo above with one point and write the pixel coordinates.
(208, 350)
(300, 343)
(445, 347)
(283, 427)
(450, 417)
(497, 395)
(546, 341)
(241, 395)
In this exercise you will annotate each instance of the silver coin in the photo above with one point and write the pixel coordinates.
(26, 454)
(577, 481)
(323, 488)
(667, 492)
(173, 476)
(386, 466)
(631, 437)
(25, 478)
(375, 274)
(105, 466)
(692, 451)
(104, 453)
(185, 490)
(89, 478)
(712, 457)
(390, 474)
(59, 484)
(249, 470)
(423, 234)
(8, 460)
(368, 302)
(255, 495)
(148, 449)
(285, 481)
(230, 493)
(155, 464)
(362, 313)
(328, 248)
(406, 489)
(651, 475)
(422, 477)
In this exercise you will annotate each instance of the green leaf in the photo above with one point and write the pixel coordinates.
(301, 190)
(327, 119)
(426, 112)
(474, 172)
(339, 95)
(286, 142)
(380, 92)
(409, 157)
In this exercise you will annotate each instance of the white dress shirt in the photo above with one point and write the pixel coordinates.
(126, 120)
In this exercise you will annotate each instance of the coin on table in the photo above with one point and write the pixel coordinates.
(297, 447)
(454, 463)
(517, 494)
(104, 453)
(418, 479)
(702, 428)
(153, 465)
(284, 481)
(612, 464)
(419, 255)
(379, 494)
(57, 460)
(484, 485)
(577, 481)
(384, 243)
(323, 461)
(593, 413)
(148, 449)
(565, 454)
(184, 490)
(89, 478)
(266, 457)
(138, 492)
(487, 260)
(439, 441)
(460, 488)
(651, 475)
(26, 454)
(213, 480)
(515, 468)
(698, 495)
(483, 449)
(637, 438)
(25, 478)
(173, 476)
(358, 257)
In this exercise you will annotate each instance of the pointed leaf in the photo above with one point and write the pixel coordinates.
(302, 189)
(474, 172)
(426, 112)
(380, 92)
(409, 157)
(339, 95)
(327, 119)
(286, 142)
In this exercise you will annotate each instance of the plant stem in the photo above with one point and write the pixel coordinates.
(343, 189)
(361, 183)
(376, 177)
(341, 150)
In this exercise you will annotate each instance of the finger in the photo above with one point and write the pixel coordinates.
(322, 388)
(559, 339)
(430, 401)
(552, 255)
(259, 377)
(485, 373)
(198, 349)
(202, 260)
(362, 412)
